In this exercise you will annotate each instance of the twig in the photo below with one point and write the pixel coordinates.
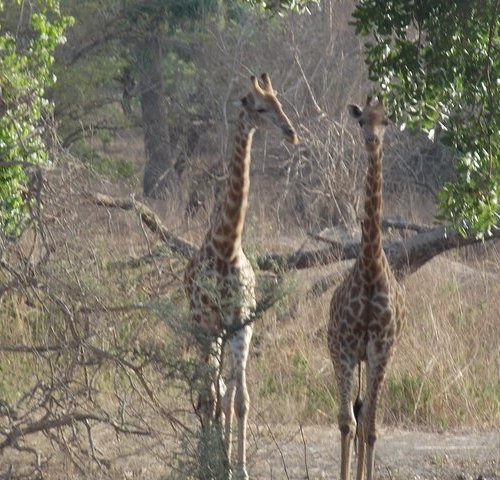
(305, 451)
(137, 371)
(39, 348)
(279, 450)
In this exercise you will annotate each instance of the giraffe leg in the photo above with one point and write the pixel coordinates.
(361, 446)
(347, 422)
(209, 397)
(375, 379)
(240, 343)
(228, 409)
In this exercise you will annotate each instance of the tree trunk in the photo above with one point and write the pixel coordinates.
(159, 171)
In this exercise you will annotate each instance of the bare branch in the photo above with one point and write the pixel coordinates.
(150, 219)
(45, 424)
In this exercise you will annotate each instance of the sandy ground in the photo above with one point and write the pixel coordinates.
(283, 453)
(400, 454)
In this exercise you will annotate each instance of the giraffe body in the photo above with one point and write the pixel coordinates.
(367, 310)
(220, 281)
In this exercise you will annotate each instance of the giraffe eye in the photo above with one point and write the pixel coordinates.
(261, 110)
(385, 123)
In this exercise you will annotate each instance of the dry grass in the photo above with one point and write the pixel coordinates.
(445, 370)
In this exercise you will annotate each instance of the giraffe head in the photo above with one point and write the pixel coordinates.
(372, 121)
(263, 108)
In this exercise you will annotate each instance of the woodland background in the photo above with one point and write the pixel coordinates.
(95, 357)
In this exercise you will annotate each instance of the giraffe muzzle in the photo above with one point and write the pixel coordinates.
(291, 135)
(372, 144)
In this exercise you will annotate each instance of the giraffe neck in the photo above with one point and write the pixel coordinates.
(372, 256)
(228, 226)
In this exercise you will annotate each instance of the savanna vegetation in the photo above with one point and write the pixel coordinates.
(116, 118)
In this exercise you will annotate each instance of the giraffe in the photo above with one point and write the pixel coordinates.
(367, 310)
(220, 281)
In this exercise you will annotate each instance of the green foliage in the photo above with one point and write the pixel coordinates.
(277, 6)
(439, 64)
(26, 73)
(90, 72)
(160, 13)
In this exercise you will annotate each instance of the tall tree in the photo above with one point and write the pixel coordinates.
(153, 23)
(127, 42)
(159, 171)
(439, 63)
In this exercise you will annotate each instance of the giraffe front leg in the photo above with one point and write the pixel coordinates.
(375, 380)
(228, 409)
(207, 399)
(347, 422)
(240, 343)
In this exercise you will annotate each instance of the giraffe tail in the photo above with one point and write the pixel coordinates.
(357, 409)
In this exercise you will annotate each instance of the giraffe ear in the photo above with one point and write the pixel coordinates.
(246, 101)
(355, 111)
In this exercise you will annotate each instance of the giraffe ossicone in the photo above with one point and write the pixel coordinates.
(367, 310)
(220, 281)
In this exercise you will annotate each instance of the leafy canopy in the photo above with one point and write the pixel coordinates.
(26, 60)
(439, 63)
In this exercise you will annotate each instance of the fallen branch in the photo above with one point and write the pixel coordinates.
(405, 256)
(408, 255)
(404, 225)
(308, 258)
(47, 423)
(149, 218)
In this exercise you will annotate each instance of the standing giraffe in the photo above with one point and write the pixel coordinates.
(367, 310)
(220, 281)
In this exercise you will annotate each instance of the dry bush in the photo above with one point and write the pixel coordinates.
(95, 344)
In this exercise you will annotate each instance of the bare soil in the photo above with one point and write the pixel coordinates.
(400, 454)
(313, 453)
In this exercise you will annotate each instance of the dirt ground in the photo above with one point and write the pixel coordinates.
(282, 453)
(400, 454)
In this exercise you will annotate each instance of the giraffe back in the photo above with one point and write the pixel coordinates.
(221, 292)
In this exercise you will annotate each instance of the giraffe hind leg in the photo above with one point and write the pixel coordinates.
(361, 441)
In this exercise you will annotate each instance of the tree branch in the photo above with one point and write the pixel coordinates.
(405, 256)
(150, 219)
(45, 424)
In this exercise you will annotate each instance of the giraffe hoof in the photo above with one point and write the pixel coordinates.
(241, 475)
